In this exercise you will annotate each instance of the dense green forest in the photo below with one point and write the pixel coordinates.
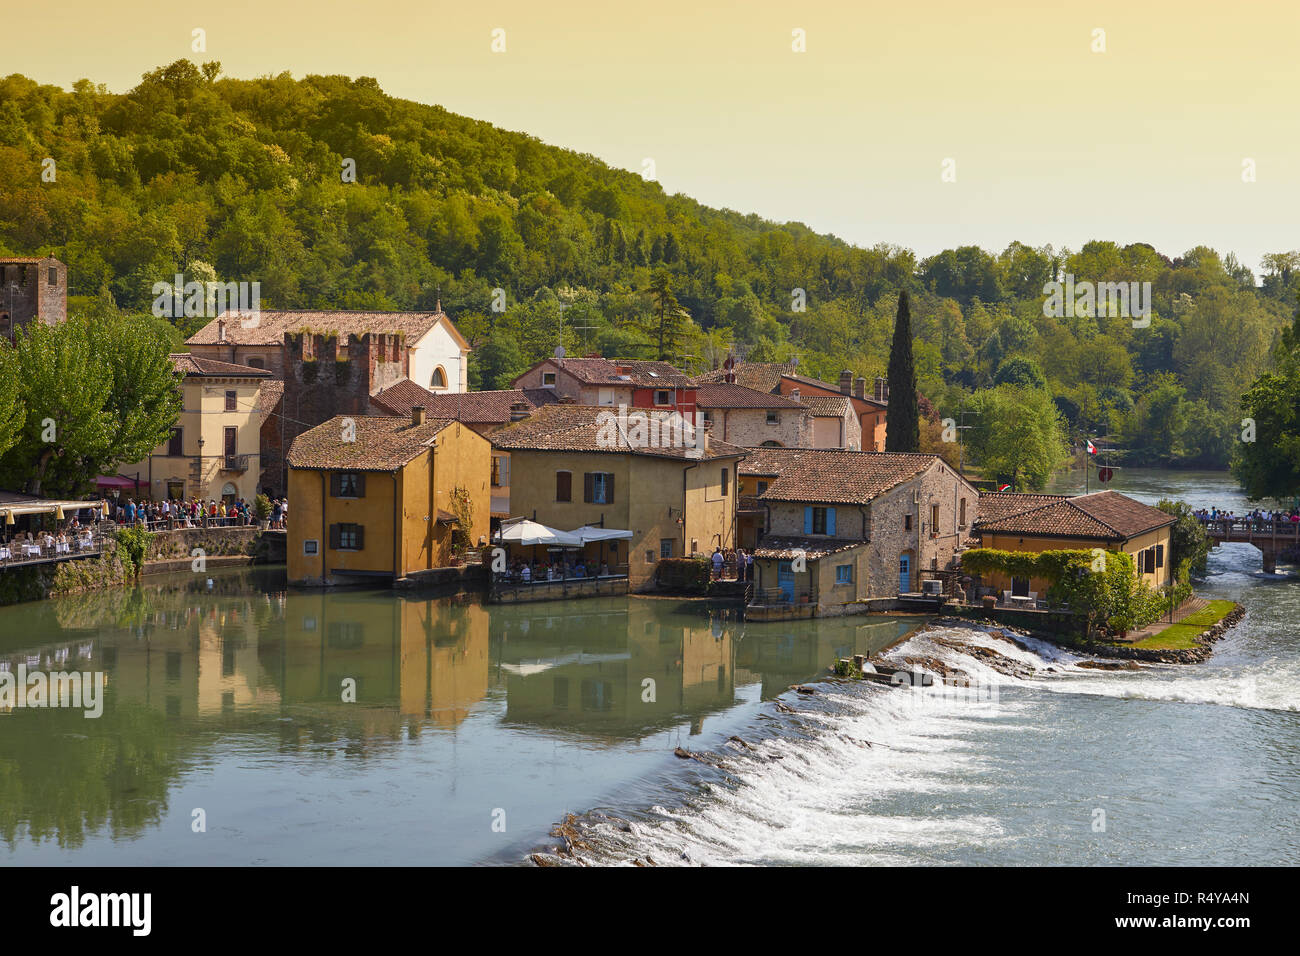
(246, 180)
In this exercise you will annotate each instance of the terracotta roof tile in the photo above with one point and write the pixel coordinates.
(724, 395)
(827, 406)
(591, 428)
(383, 443)
(270, 396)
(785, 547)
(188, 364)
(830, 475)
(272, 325)
(1107, 515)
(603, 371)
(472, 407)
(995, 505)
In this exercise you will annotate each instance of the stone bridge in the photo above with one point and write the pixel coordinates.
(1271, 536)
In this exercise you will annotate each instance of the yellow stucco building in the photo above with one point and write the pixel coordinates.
(381, 496)
(214, 449)
(1105, 519)
(571, 468)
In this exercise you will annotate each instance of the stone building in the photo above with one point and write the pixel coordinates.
(438, 354)
(614, 382)
(744, 416)
(32, 289)
(914, 511)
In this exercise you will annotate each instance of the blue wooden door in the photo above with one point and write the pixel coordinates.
(904, 573)
(785, 578)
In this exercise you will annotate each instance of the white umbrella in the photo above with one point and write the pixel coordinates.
(591, 532)
(531, 532)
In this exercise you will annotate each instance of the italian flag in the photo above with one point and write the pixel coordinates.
(1092, 449)
(1004, 487)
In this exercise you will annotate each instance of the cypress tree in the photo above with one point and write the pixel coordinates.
(902, 424)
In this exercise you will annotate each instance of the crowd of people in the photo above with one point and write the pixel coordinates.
(194, 513)
(1260, 519)
(524, 572)
(735, 560)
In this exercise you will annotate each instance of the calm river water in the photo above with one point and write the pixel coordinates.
(476, 729)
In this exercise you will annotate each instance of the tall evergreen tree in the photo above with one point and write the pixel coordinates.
(902, 425)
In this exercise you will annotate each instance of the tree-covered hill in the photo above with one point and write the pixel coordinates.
(247, 180)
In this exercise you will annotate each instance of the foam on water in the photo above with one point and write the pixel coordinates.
(863, 774)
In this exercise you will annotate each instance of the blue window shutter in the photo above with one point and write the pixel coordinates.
(807, 519)
(830, 521)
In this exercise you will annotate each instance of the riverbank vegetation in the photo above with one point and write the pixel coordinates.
(252, 180)
(1182, 636)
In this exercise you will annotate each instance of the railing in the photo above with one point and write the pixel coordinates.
(235, 463)
(16, 553)
(778, 596)
(515, 579)
(1247, 527)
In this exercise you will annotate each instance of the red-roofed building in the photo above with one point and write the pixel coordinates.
(613, 382)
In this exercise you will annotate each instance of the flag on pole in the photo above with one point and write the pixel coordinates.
(1092, 449)
(1004, 487)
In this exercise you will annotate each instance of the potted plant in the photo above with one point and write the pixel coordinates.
(262, 508)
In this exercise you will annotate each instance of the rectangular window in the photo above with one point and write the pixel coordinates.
(773, 418)
(726, 482)
(844, 574)
(176, 443)
(649, 556)
(819, 521)
(598, 488)
(907, 522)
(347, 537)
(232, 440)
(497, 462)
(663, 397)
(548, 378)
(310, 546)
(934, 519)
(1160, 556)
(1020, 587)
(762, 487)
(232, 401)
(564, 486)
(54, 276)
(665, 547)
(708, 416)
(961, 517)
(347, 484)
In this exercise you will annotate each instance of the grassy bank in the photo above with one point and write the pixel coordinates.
(1182, 636)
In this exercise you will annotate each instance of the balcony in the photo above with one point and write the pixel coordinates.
(234, 463)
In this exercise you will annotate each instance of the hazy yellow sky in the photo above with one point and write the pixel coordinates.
(1051, 141)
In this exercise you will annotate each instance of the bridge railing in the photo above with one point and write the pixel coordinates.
(1281, 527)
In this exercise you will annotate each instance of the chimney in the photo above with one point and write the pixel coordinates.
(846, 382)
(519, 411)
(417, 414)
(221, 330)
(794, 393)
(882, 389)
(859, 388)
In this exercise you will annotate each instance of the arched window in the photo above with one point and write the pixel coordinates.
(439, 378)
(256, 362)
(771, 444)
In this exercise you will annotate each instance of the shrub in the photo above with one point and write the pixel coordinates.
(683, 574)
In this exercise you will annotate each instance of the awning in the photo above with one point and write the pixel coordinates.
(116, 481)
(591, 532)
(531, 532)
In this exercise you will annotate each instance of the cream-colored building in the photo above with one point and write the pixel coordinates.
(214, 449)
(1104, 519)
(571, 468)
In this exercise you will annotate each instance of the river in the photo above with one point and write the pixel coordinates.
(226, 739)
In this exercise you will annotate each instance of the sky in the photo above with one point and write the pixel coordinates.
(1150, 138)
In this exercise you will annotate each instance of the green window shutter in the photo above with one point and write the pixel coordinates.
(361, 484)
(334, 537)
(336, 484)
(361, 538)
(587, 483)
